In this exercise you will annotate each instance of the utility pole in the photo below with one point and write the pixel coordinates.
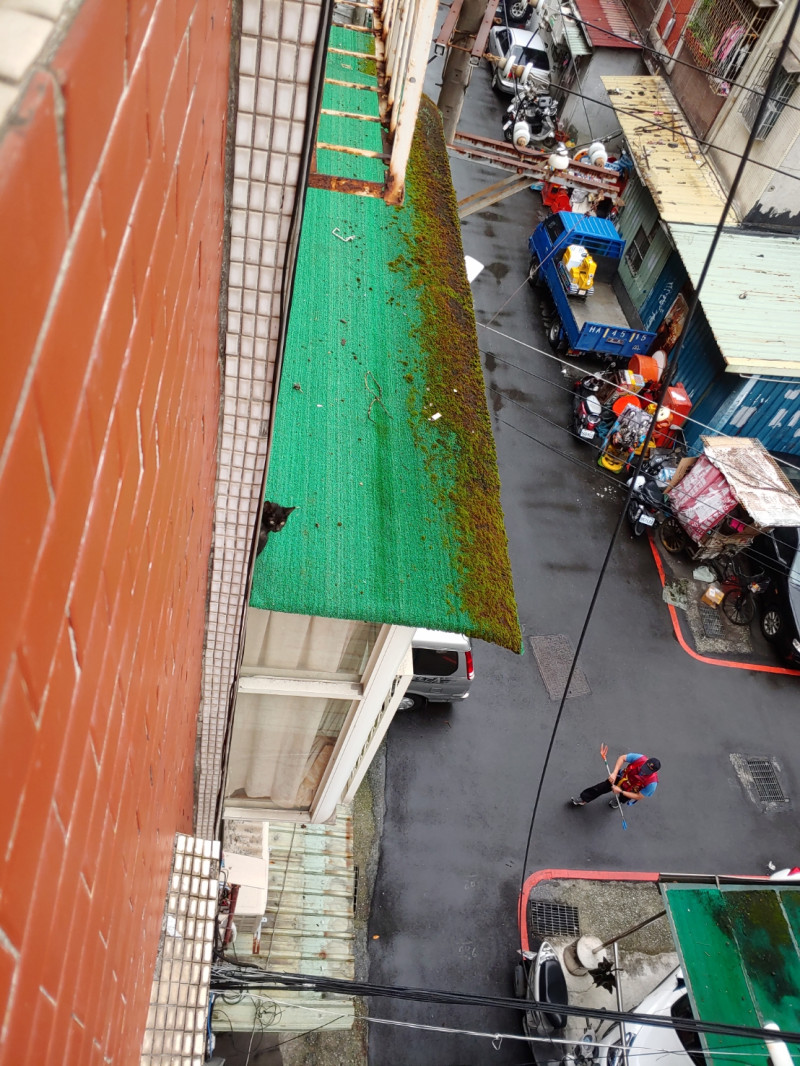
(457, 67)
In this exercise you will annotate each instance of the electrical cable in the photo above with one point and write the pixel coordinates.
(668, 58)
(554, 1041)
(582, 371)
(688, 134)
(621, 389)
(238, 977)
(671, 59)
(493, 1036)
(752, 554)
(665, 382)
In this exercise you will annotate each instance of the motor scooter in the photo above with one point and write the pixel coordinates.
(646, 505)
(587, 411)
(539, 977)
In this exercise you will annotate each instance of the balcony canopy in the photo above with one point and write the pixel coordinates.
(382, 438)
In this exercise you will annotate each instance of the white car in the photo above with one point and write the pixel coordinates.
(651, 1046)
(443, 669)
(528, 50)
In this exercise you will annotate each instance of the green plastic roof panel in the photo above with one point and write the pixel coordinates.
(739, 951)
(382, 437)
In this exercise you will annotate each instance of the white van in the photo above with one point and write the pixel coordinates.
(443, 669)
(651, 1046)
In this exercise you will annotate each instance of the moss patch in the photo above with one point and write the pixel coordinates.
(453, 375)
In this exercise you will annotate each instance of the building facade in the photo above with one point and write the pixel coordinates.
(717, 57)
(158, 161)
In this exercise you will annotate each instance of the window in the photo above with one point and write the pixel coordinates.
(554, 227)
(639, 247)
(434, 663)
(784, 87)
(720, 35)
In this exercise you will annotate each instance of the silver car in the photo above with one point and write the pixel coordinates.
(527, 48)
(443, 669)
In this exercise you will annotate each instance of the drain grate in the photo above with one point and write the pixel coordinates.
(554, 656)
(759, 776)
(711, 621)
(553, 919)
(766, 780)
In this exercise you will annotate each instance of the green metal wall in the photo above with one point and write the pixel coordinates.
(640, 210)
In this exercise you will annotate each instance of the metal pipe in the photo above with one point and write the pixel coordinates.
(632, 929)
(622, 1033)
(778, 1052)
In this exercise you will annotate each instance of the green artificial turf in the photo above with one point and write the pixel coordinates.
(398, 514)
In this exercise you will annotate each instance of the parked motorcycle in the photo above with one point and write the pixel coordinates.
(587, 411)
(531, 119)
(646, 505)
(539, 977)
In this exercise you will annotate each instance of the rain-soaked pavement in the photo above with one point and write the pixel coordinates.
(461, 781)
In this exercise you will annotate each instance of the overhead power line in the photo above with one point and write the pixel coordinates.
(689, 134)
(247, 977)
(667, 377)
(671, 59)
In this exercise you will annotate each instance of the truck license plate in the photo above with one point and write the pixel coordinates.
(587, 434)
(647, 520)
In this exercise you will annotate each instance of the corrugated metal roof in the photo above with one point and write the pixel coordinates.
(679, 177)
(574, 34)
(309, 927)
(610, 15)
(751, 296)
(756, 480)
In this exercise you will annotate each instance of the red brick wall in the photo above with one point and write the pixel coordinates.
(111, 189)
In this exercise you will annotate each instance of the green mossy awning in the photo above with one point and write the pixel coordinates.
(739, 952)
(382, 437)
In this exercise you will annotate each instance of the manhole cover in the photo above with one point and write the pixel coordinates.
(712, 623)
(554, 656)
(759, 775)
(553, 919)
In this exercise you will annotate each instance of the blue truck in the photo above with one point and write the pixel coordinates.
(586, 320)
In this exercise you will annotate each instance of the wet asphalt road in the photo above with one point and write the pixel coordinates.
(461, 780)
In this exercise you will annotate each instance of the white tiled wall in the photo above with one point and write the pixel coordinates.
(175, 1034)
(275, 60)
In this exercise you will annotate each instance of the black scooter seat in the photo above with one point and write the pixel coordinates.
(553, 989)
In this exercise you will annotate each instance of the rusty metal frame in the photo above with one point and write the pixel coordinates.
(451, 18)
(402, 30)
(533, 163)
(479, 45)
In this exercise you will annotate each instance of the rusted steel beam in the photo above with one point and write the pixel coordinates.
(533, 161)
(449, 24)
(349, 150)
(492, 194)
(358, 55)
(349, 114)
(351, 85)
(483, 33)
(353, 186)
